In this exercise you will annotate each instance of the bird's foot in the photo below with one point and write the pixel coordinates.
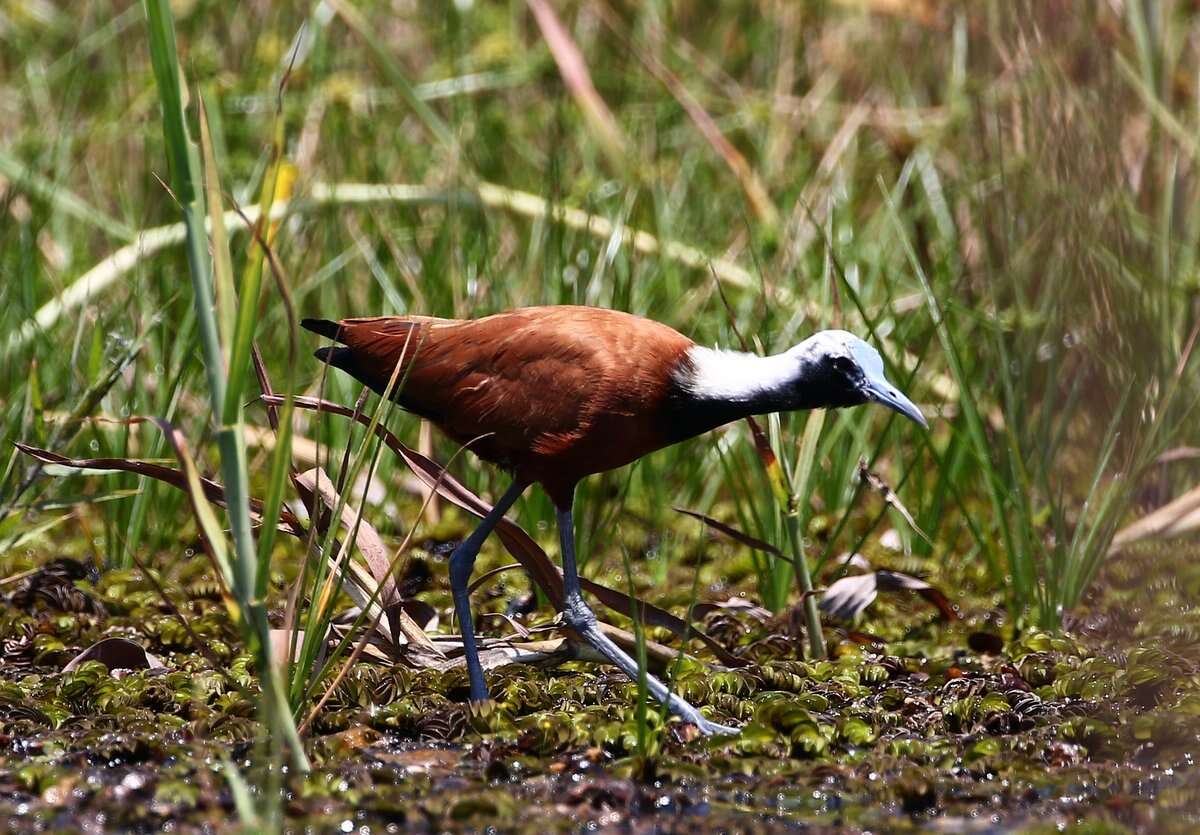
(707, 727)
(580, 618)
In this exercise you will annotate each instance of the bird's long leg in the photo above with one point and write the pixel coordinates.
(582, 619)
(462, 561)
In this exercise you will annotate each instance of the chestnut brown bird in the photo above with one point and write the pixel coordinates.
(559, 393)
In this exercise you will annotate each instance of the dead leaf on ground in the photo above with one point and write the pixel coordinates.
(499, 652)
(213, 491)
(735, 605)
(116, 654)
(850, 596)
(285, 643)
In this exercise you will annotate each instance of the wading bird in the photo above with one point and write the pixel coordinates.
(559, 393)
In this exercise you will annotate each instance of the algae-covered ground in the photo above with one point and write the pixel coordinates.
(950, 727)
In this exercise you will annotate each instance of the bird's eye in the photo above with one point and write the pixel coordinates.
(843, 364)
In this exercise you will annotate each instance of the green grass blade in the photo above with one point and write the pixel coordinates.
(797, 512)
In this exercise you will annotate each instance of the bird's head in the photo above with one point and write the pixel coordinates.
(838, 369)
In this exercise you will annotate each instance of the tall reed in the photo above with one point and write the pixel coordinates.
(225, 325)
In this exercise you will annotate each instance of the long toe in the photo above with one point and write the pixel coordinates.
(688, 713)
(716, 729)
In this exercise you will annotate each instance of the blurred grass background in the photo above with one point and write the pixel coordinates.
(1001, 194)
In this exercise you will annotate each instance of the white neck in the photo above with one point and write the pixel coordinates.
(735, 377)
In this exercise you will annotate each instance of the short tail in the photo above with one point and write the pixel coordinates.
(324, 327)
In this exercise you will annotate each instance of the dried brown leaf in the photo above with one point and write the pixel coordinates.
(849, 596)
(498, 652)
(116, 654)
(1181, 453)
(213, 491)
(374, 589)
(734, 534)
(285, 644)
(366, 538)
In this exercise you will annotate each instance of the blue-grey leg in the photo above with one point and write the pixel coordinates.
(462, 561)
(582, 619)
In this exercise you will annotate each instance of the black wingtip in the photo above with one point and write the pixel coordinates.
(328, 354)
(337, 357)
(324, 327)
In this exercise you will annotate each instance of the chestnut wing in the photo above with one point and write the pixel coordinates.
(559, 392)
(527, 384)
